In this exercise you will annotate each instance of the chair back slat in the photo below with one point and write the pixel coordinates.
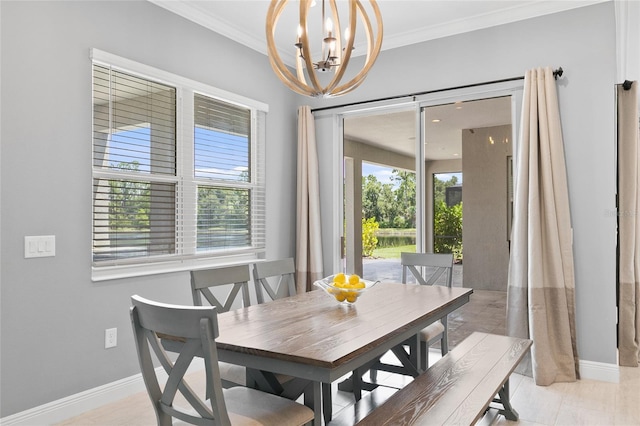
(431, 264)
(276, 277)
(220, 287)
(197, 328)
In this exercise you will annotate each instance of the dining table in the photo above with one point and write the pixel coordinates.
(316, 340)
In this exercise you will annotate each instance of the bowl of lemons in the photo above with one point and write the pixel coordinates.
(345, 288)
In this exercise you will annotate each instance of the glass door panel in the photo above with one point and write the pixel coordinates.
(379, 193)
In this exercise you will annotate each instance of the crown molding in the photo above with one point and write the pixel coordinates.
(195, 12)
(478, 22)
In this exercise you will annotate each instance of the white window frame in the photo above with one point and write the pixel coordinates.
(186, 257)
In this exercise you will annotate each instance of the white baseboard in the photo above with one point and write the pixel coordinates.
(599, 371)
(73, 405)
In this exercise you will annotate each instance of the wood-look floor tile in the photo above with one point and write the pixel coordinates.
(590, 395)
(627, 405)
(538, 404)
(579, 416)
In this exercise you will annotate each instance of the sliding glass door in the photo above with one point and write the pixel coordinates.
(402, 186)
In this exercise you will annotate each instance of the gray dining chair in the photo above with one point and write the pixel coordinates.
(426, 269)
(275, 277)
(221, 287)
(197, 329)
(225, 288)
(430, 269)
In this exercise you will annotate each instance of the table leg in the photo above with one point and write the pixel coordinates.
(327, 404)
(264, 380)
(415, 356)
(313, 400)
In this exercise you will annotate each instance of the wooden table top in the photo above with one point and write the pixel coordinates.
(315, 330)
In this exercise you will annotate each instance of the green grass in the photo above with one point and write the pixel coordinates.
(393, 252)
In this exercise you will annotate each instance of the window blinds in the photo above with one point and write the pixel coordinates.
(228, 172)
(134, 159)
(178, 172)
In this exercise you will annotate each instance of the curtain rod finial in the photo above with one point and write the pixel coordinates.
(627, 84)
(558, 73)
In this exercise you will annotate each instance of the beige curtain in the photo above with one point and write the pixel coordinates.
(540, 292)
(629, 227)
(308, 235)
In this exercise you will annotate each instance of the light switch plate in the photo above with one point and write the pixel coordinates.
(39, 246)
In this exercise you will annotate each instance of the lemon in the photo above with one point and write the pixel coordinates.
(360, 284)
(351, 297)
(340, 278)
(354, 279)
(341, 296)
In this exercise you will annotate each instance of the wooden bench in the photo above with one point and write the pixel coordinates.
(459, 387)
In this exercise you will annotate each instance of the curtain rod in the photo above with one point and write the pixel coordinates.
(556, 74)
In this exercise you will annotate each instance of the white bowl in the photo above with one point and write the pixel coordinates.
(346, 294)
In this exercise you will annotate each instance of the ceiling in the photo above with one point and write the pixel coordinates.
(444, 124)
(405, 22)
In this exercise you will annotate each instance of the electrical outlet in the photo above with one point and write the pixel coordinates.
(110, 338)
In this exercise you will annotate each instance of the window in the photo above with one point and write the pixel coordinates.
(178, 172)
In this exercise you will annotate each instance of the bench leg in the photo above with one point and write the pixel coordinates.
(508, 411)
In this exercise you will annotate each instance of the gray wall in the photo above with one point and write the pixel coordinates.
(53, 317)
(582, 41)
(484, 208)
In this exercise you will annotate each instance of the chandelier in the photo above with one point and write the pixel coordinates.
(321, 76)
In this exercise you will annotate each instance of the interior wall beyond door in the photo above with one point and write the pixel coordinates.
(485, 239)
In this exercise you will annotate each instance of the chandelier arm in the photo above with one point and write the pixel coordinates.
(337, 29)
(368, 31)
(347, 54)
(300, 71)
(371, 58)
(289, 79)
(283, 73)
(305, 5)
(344, 90)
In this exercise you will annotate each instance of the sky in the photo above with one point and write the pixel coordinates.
(218, 155)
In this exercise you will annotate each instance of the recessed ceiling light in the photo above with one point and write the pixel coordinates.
(435, 120)
(455, 154)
